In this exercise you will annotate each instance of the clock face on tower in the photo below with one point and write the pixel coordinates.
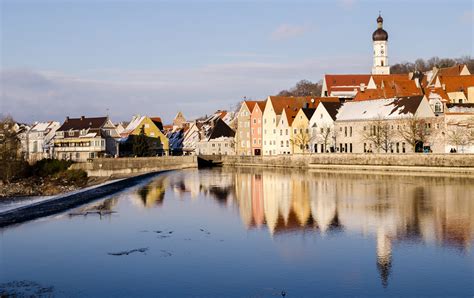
(381, 52)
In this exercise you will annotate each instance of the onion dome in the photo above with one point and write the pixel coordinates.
(380, 34)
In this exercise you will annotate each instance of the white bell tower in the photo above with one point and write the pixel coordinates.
(380, 43)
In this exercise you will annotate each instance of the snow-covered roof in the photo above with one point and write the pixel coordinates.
(136, 120)
(44, 126)
(386, 108)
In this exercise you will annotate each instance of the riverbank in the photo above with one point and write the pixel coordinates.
(441, 163)
(69, 200)
(39, 186)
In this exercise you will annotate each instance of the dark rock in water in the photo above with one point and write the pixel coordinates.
(127, 252)
(283, 293)
(25, 288)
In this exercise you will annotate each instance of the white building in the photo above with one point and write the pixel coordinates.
(359, 124)
(321, 126)
(39, 140)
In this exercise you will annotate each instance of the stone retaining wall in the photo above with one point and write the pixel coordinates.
(124, 167)
(357, 160)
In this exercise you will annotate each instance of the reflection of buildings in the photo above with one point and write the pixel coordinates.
(152, 194)
(389, 208)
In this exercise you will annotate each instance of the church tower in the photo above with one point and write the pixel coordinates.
(380, 41)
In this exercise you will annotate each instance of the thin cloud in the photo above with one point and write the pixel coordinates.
(468, 17)
(346, 4)
(50, 95)
(288, 31)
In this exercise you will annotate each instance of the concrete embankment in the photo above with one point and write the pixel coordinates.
(441, 163)
(126, 167)
(135, 169)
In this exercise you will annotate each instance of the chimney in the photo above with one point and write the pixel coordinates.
(444, 87)
(67, 119)
(306, 105)
(82, 118)
(362, 87)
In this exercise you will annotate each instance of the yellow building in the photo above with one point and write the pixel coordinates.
(159, 143)
(300, 133)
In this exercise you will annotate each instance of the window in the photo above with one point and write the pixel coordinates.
(71, 133)
(254, 121)
(287, 143)
(350, 147)
(437, 107)
(281, 143)
(286, 131)
(281, 132)
(403, 147)
(78, 155)
(350, 131)
(365, 147)
(322, 130)
(345, 131)
(294, 131)
(147, 125)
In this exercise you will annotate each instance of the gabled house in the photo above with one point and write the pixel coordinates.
(321, 125)
(256, 133)
(80, 139)
(301, 136)
(217, 139)
(243, 138)
(157, 141)
(39, 140)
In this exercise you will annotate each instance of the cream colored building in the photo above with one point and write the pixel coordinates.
(321, 125)
(358, 122)
(243, 137)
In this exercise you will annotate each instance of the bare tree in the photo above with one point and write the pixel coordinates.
(304, 88)
(11, 159)
(324, 136)
(379, 134)
(414, 130)
(301, 139)
(458, 136)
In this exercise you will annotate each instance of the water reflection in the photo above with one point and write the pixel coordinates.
(393, 209)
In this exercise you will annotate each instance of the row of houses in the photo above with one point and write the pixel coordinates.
(425, 112)
(83, 138)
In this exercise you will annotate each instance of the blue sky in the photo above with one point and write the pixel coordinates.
(75, 58)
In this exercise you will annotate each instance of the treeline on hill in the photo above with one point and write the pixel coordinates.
(425, 65)
(13, 166)
(304, 88)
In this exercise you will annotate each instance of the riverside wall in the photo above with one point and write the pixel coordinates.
(126, 167)
(460, 163)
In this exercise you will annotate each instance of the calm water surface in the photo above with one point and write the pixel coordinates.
(253, 233)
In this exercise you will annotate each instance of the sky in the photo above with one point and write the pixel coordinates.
(122, 58)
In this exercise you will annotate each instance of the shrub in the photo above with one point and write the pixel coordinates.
(76, 177)
(49, 167)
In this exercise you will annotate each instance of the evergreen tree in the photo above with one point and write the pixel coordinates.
(141, 147)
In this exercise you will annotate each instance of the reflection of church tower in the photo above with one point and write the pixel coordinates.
(380, 40)
(384, 256)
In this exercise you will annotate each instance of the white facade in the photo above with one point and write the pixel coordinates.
(380, 58)
(218, 146)
(38, 141)
(269, 136)
(321, 127)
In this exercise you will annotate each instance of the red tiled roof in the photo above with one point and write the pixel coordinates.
(281, 102)
(451, 71)
(457, 83)
(346, 81)
(439, 91)
(250, 104)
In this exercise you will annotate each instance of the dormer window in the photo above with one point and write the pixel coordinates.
(71, 133)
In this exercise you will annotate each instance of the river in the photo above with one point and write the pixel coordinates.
(245, 232)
